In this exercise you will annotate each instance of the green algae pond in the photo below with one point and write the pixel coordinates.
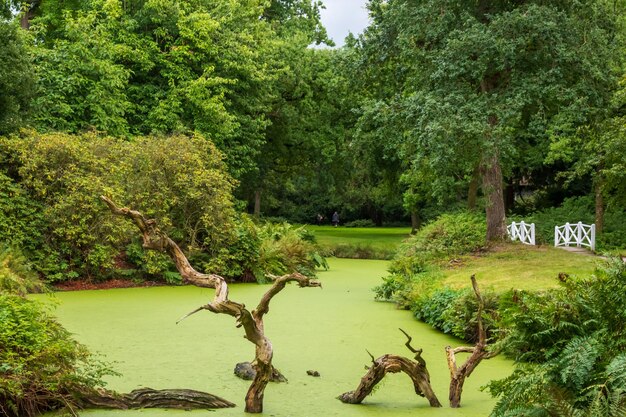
(327, 330)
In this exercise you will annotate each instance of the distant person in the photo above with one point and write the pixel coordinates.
(320, 219)
(335, 219)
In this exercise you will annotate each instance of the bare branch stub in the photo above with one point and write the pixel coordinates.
(478, 353)
(252, 322)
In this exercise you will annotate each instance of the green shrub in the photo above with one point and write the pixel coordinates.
(239, 259)
(413, 270)
(461, 317)
(179, 180)
(41, 366)
(16, 275)
(358, 250)
(432, 310)
(392, 285)
(285, 248)
(360, 223)
(21, 217)
(408, 291)
(448, 236)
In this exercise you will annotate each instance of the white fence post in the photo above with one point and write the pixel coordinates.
(532, 234)
(593, 237)
(556, 236)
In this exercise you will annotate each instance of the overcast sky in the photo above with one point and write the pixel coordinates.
(343, 16)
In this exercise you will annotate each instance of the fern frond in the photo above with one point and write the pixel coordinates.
(577, 361)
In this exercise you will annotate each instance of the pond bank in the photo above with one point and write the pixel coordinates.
(326, 330)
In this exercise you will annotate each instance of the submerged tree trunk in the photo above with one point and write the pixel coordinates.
(492, 189)
(416, 370)
(252, 322)
(478, 353)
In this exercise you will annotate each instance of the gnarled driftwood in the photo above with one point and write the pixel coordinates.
(415, 369)
(251, 321)
(478, 353)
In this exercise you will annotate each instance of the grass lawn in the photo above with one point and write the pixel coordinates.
(519, 266)
(360, 242)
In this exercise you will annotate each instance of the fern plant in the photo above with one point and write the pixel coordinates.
(16, 275)
(576, 337)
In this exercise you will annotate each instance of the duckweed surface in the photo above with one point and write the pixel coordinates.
(326, 330)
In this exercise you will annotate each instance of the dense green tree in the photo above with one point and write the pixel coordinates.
(480, 82)
(596, 150)
(16, 76)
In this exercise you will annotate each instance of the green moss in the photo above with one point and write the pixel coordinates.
(325, 329)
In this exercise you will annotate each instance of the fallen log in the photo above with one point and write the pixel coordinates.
(182, 399)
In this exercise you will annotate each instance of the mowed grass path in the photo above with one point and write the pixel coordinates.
(360, 242)
(517, 266)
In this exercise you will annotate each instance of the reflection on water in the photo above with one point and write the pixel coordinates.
(326, 330)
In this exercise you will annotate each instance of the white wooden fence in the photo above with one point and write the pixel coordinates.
(578, 233)
(523, 232)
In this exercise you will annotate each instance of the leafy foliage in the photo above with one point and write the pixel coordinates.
(448, 236)
(179, 180)
(41, 366)
(16, 79)
(286, 248)
(16, 275)
(576, 337)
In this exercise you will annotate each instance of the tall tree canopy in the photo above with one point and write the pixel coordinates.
(478, 84)
(161, 67)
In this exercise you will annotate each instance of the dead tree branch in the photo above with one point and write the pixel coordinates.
(416, 370)
(252, 322)
(478, 353)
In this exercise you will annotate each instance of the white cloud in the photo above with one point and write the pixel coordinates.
(343, 16)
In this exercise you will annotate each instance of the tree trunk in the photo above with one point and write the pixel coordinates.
(598, 189)
(472, 190)
(492, 189)
(416, 221)
(509, 198)
(252, 322)
(257, 204)
(29, 14)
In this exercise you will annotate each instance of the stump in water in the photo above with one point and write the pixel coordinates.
(415, 369)
(252, 322)
(478, 353)
(245, 371)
